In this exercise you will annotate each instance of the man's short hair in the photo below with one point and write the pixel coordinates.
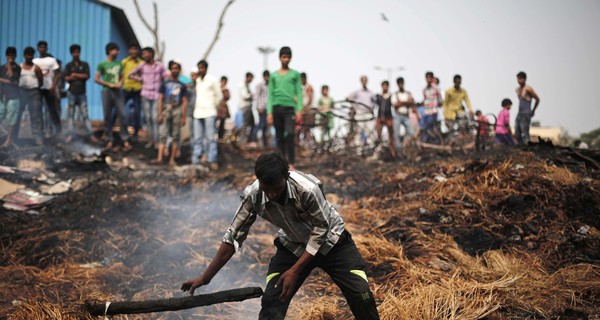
(203, 63)
(133, 45)
(172, 63)
(429, 74)
(400, 80)
(11, 51)
(385, 82)
(74, 47)
(149, 49)
(249, 74)
(42, 43)
(271, 167)
(324, 87)
(478, 112)
(506, 102)
(111, 46)
(223, 78)
(303, 75)
(522, 75)
(457, 77)
(285, 50)
(29, 51)
(266, 73)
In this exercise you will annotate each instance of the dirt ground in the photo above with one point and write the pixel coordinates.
(505, 233)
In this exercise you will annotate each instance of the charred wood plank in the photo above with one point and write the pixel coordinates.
(173, 304)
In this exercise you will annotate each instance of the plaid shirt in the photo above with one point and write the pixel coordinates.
(307, 221)
(151, 77)
(432, 99)
(262, 96)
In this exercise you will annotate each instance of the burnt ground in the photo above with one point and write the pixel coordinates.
(154, 227)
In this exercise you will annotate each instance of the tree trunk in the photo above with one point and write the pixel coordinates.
(173, 304)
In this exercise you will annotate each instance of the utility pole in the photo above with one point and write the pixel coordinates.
(265, 51)
(389, 71)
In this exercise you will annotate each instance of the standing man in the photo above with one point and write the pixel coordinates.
(10, 73)
(51, 71)
(261, 99)
(132, 89)
(384, 116)
(29, 84)
(172, 111)
(454, 99)
(284, 106)
(367, 99)
(223, 109)
(312, 235)
(208, 97)
(245, 102)
(432, 100)
(403, 103)
(109, 74)
(77, 73)
(525, 93)
(151, 73)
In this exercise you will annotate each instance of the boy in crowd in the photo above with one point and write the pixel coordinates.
(245, 100)
(312, 235)
(403, 103)
(453, 100)
(482, 132)
(132, 89)
(51, 71)
(29, 85)
(432, 100)
(503, 133)
(223, 109)
(172, 111)
(151, 73)
(10, 74)
(261, 98)
(109, 74)
(208, 97)
(284, 105)
(384, 116)
(325, 106)
(77, 73)
(525, 93)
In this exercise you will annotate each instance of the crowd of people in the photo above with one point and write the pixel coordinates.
(140, 91)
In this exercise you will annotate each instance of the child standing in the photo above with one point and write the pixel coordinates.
(10, 73)
(482, 132)
(325, 105)
(503, 133)
(172, 111)
(284, 106)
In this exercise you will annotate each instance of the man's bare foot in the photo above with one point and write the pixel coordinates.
(108, 146)
(127, 146)
(172, 163)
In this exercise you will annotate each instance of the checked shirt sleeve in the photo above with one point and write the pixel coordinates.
(319, 211)
(243, 220)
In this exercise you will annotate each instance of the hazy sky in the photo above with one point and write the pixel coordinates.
(555, 41)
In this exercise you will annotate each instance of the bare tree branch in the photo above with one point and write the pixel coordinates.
(159, 52)
(219, 27)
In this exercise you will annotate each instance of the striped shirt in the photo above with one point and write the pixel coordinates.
(152, 76)
(307, 221)
(432, 99)
(262, 96)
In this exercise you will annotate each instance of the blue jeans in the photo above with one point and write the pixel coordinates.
(262, 127)
(112, 102)
(522, 128)
(133, 109)
(429, 122)
(404, 120)
(81, 101)
(9, 110)
(205, 141)
(504, 139)
(151, 117)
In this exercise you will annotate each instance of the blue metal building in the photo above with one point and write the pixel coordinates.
(89, 23)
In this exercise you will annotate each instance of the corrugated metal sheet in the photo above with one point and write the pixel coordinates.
(61, 23)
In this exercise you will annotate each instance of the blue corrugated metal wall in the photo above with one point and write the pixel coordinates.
(62, 22)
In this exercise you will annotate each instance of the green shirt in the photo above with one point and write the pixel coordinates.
(285, 90)
(110, 71)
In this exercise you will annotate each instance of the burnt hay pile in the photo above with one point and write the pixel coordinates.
(505, 235)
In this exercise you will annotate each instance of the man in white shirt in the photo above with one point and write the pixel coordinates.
(404, 104)
(245, 101)
(208, 96)
(365, 105)
(49, 89)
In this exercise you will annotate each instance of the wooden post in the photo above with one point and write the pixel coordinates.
(173, 304)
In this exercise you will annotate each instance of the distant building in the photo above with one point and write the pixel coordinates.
(89, 23)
